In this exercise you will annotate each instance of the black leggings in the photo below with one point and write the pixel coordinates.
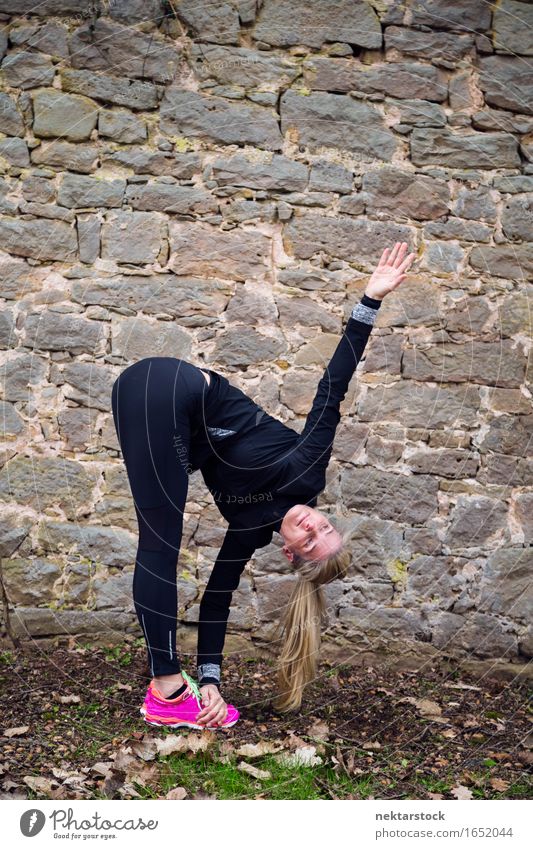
(156, 405)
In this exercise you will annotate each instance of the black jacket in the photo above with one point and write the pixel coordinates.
(256, 468)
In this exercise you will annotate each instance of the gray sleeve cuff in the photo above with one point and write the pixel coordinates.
(209, 671)
(366, 310)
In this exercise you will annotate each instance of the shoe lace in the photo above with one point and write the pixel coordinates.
(194, 688)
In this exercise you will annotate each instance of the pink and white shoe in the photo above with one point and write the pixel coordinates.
(182, 711)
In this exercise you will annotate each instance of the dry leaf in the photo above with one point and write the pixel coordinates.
(201, 742)
(143, 774)
(499, 784)
(171, 744)
(253, 771)
(374, 745)
(69, 777)
(16, 732)
(256, 750)
(302, 756)
(435, 795)
(319, 731)
(67, 700)
(124, 758)
(427, 707)
(39, 784)
(145, 749)
(102, 768)
(458, 685)
(176, 793)
(461, 792)
(293, 741)
(449, 733)
(527, 742)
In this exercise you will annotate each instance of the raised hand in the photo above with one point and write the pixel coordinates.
(390, 272)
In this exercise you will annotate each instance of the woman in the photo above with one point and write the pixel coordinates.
(173, 418)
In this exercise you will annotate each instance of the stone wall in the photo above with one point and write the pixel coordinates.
(215, 181)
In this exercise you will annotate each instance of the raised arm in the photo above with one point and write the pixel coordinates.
(316, 439)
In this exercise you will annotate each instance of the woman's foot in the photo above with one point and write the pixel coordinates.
(168, 684)
(182, 711)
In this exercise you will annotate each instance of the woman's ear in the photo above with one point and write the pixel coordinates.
(288, 553)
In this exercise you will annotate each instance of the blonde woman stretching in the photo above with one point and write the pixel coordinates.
(173, 418)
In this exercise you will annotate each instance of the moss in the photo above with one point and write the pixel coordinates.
(182, 144)
(397, 570)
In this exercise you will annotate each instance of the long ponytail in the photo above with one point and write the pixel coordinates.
(300, 629)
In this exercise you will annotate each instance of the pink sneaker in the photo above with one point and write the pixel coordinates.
(182, 711)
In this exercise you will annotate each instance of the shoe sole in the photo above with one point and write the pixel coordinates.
(194, 725)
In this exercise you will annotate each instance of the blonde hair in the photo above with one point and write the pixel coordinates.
(300, 629)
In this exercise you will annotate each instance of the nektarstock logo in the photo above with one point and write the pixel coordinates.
(31, 822)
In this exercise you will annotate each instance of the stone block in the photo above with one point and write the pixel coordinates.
(488, 363)
(96, 543)
(121, 126)
(444, 462)
(27, 70)
(29, 581)
(187, 113)
(12, 423)
(38, 238)
(135, 94)
(102, 45)
(476, 520)
(358, 241)
(517, 218)
(508, 435)
(66, 155)
(403, 195)
(430, 45)
(241, 66)
(349, 21)
(203, 250)
(21, 373)
(507, 82)
(11, 121)
(43, 482)
(513, 262)
(279, 173)
(169, 197)
(394, 79)
(218, 22)
(65, 115)
(419, 405)
(242, 346)
(469, 15)
(444, 148)
(512, 28)
(402, 498)
(77, 191)
(133, 337)
(330, 120)
(52, 331)
(132, 237)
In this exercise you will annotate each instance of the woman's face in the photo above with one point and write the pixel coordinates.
(308, 533)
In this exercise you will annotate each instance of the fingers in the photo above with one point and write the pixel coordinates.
(394, 252)
(383, 257)
(398, 280)
(220, 716)
(210, 714)
(397, 254)
(407, 262)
